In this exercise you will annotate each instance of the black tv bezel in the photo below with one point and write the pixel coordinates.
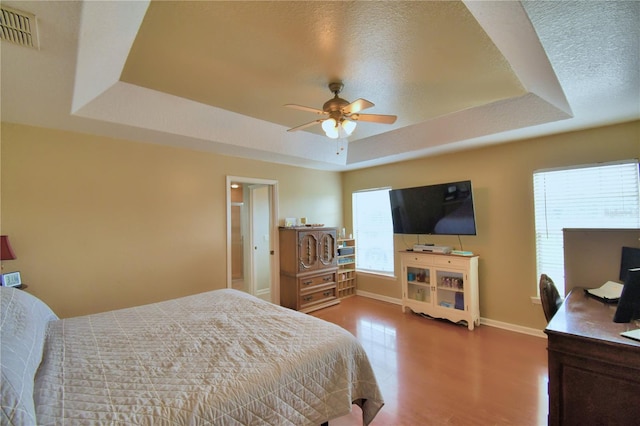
(437, 185)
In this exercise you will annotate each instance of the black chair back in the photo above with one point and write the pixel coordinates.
(549, 297)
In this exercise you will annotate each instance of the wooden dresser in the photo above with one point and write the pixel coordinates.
(308, 268)
(594, 373)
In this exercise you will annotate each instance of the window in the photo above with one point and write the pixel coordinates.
(373, 231)
(593, 196)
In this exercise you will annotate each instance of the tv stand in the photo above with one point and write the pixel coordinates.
(441, 286)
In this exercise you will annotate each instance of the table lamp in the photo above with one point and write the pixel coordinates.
(6, 252)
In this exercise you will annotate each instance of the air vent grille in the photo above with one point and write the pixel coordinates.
(18, 27)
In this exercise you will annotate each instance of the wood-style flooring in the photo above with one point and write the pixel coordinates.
(433, 372)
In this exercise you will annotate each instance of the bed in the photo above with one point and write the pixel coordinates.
(216, 358)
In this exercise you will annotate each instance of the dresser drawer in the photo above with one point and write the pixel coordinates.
(451, 261)
(307, 283)
(322, 295)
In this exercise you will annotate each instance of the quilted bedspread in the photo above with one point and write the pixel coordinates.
(216, 358)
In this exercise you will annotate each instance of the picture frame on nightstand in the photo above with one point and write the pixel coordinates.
(11, 279)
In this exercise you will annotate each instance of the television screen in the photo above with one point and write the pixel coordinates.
(443, 209)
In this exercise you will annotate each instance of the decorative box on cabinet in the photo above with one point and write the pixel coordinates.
(308, 268)
(346, 267)
(441, 286)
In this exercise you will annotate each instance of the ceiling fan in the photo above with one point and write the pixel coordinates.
(340, 115)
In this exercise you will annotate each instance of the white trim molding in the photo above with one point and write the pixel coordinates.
(484, 321)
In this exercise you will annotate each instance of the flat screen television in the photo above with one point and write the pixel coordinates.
(442, 209)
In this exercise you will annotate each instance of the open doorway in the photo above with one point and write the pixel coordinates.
(252, 237)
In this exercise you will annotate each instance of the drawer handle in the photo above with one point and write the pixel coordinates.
(307, 298)
(328, 293)
(307, 282)
(325, 279)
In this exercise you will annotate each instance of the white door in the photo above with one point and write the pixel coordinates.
(260, 242)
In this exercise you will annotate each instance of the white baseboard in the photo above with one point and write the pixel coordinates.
(513, 327)
(484, 321)
(379, 297)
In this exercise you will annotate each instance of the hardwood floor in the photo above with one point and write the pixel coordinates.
(433, 372)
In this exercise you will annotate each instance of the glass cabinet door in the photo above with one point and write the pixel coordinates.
(418, 284)
(450, 286)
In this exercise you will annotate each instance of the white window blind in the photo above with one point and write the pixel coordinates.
(593, 196)
(373, 231)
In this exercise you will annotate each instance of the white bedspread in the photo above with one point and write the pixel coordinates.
(219, 358)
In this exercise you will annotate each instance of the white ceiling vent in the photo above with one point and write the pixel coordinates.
(18, 27)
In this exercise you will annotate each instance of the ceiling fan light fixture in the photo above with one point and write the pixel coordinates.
(348, 126)
(333, 134)
(329, 125)
(338, 129)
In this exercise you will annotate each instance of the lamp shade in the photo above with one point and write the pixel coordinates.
(6, 252)
(330, 127)
(348, 126)
(338, 129)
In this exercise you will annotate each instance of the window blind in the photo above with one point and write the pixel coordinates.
(593, 196)
(373, 230)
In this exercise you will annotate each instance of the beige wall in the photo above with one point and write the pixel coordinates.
(99, 223)
(503, 193)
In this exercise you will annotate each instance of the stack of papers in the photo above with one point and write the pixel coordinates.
(609, 291)
(632, 334)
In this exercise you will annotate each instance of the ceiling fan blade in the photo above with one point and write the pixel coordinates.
(304, 126)
(305, 108)
(375, 118)
(357, 106)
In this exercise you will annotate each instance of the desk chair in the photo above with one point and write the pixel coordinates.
(549, 297)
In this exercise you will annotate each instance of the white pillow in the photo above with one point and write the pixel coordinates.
(23, 325)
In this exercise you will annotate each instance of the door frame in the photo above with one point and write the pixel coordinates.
(273, 231)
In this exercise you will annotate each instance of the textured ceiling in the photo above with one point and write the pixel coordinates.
(417, 60)
(214, 76)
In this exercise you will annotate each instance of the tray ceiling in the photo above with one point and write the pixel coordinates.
(214, 76)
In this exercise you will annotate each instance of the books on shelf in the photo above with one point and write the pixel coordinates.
(608, 292)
